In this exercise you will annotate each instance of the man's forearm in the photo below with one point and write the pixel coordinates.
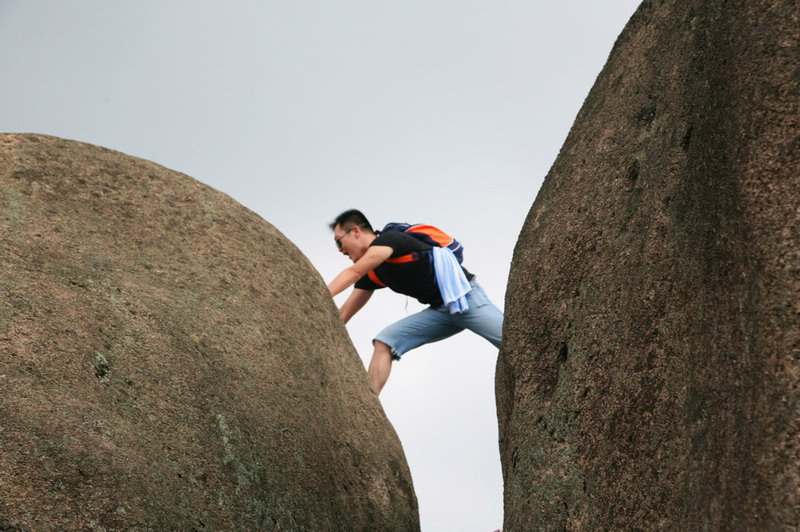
(344, 280)
(354, 303)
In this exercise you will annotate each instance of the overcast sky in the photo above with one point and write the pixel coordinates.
(447, 112)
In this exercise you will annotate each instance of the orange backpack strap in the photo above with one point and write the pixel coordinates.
(375, 279)
(411, 257)
(434, 233)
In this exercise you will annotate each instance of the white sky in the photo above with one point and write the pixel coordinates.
(447, 112)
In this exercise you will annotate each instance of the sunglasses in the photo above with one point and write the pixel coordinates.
(339, 240)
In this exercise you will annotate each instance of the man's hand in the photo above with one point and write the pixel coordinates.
(374, 256)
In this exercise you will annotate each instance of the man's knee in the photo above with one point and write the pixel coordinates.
(384, 349)
(381, 347)
(380, 366)
(381, 356)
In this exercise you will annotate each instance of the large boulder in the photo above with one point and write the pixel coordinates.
(649, 377)
(170, 361)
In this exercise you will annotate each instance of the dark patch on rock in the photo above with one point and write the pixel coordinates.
(27, 174)
(649, 377)
(170, 361)
(101, 367)
(687, 138)
(563, 353)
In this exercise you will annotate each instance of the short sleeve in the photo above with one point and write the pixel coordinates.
(365, 283)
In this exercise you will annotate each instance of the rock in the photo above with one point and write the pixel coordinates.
(170, 361)
(649, 374)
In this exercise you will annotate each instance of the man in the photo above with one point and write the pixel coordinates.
(414, 273)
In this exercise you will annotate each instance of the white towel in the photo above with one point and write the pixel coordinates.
(453, 284)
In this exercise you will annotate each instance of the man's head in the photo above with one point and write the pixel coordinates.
(352, 233)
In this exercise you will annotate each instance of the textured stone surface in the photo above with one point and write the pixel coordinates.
(169, 361)
(649, 374)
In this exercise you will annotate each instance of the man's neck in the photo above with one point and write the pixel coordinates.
(369, 237)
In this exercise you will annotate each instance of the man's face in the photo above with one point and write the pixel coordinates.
(349, 241)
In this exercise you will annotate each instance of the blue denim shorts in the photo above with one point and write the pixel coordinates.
(434, 324)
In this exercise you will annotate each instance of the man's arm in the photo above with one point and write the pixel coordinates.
(372, 258)
(354, 303)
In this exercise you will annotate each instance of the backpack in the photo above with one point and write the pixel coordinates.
(430, 235)
(426, 233)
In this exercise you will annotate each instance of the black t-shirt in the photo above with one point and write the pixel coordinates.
(415, 278)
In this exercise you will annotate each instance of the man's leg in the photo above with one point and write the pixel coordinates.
(380, 366)
(483, 317)
(429, 325)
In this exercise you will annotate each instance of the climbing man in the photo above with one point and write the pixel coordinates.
(404, 261)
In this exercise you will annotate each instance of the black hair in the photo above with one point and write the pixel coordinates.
(349, 219)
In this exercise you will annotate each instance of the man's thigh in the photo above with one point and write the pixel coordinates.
(483, 317)
(421, 328)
